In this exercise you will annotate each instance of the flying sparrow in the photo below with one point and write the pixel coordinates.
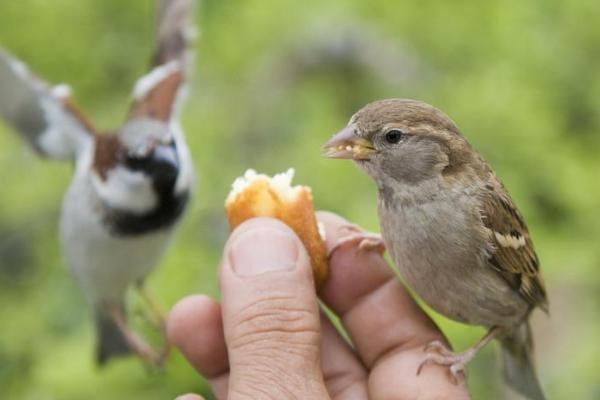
(451, 228)
(130, 187)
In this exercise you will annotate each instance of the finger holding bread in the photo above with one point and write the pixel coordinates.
(259, 195)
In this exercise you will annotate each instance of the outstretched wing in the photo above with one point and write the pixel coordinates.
(514, 256)
(43, 115)
(156, 93)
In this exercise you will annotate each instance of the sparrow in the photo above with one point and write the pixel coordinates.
(451, 228)
(130, 187)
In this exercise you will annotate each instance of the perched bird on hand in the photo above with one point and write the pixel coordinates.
(129, 189)
(451, 228)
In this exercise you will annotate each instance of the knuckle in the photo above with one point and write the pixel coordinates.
(260, 384)
(275, 324)
(262, 381)
(273, 349)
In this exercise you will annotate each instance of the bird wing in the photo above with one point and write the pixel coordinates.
(156, 94)
(45, 116)
(513, 255)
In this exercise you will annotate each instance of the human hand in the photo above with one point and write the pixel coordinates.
(268, 340)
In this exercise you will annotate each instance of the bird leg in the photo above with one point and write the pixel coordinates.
(438, 353)
(367, 241)
(135, 342)
(154, 310)
(157, 316)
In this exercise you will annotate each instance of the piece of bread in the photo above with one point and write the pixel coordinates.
(258, 195)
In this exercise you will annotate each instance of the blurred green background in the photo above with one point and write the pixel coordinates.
(272, 81)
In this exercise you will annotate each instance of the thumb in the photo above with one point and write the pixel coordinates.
(270, 314)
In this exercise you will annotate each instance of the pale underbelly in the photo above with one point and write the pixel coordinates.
(477, 297)
(446, 265)
(104, 266)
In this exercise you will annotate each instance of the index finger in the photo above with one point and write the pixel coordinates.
(384, 322)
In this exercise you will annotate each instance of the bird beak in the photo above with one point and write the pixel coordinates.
(164, 165)
(346, 145)
(165, 155)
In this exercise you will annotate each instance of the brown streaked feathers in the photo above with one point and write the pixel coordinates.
(106, 154)
(518, 264)
(173, 35)
(159, 101)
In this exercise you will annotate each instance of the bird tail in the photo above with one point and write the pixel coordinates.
(111, 340)
(519, 371)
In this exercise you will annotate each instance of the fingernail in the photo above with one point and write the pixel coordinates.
(263, 249)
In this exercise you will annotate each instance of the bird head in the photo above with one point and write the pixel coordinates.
(149, 147)
(402, 140)
(138, 166)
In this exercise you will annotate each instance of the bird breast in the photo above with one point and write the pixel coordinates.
(103, 264)
(441, 252)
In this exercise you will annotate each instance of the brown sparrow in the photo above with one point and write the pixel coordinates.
(129, 188)
(451, 228)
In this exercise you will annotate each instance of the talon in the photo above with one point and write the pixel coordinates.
(423, 363)
(371, 244)
(350, 228)
(455, 371)
(366, 241)
(439, 353)
(436, 346)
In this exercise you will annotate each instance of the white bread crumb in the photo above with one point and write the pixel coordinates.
(281, 183)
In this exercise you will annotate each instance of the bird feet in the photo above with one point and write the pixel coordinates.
(148, 355)
(136, 343)
(438, 353)
(367, 241)
(156, 315)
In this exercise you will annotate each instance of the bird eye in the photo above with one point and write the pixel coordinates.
(393, 136)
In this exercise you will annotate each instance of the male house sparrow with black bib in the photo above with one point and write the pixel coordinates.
(129, 188)
(451, 228)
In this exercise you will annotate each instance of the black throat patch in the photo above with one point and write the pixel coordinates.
(163, 216)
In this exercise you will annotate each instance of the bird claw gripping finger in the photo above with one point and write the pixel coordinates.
(438, 353)
(367, 241)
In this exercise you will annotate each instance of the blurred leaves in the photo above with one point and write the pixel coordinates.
(273, 80)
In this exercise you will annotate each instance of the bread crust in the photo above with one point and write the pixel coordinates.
(261, 199)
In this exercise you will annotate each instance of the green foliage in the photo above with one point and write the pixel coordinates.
(273, 80)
